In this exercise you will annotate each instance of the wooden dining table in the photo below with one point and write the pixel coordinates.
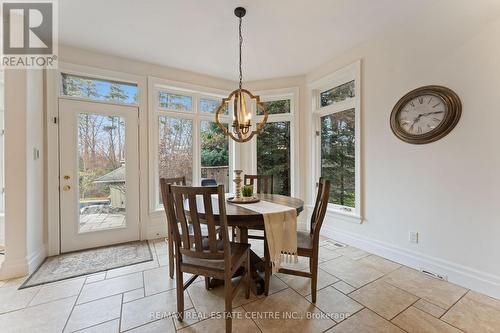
(245, 219)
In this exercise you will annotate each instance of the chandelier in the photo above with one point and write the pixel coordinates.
(241, 99)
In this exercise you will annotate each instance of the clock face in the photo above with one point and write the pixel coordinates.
(422, 114)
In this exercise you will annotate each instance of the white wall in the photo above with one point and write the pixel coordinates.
(24, 209)
(449, 190)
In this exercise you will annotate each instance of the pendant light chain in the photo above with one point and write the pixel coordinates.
(241, 43)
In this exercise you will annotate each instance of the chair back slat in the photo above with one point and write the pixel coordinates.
(178, 201)
(264, 183)
(195, 221)
(210, 221)
(320, 207)
(196, 203)
(176, 180)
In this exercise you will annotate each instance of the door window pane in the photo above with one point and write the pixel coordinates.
(102, 181)
(273, 155)
(338, 94)
(99, 90)
(214, 154)
(338, 156)
(276, 107)
(175, 102)
(175, 148)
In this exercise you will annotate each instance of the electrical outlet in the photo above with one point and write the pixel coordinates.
(413, 237)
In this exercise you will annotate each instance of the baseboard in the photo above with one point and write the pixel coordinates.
(461, 275)
(36, 258)
(13, 268)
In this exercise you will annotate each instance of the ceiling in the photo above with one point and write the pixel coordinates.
(281, 37)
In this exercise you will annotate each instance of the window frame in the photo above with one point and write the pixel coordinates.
(276, 95)
(344, 75)
(156, 86)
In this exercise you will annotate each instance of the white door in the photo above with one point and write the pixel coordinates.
(99, 174)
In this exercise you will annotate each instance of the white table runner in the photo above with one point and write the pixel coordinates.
(280, 223)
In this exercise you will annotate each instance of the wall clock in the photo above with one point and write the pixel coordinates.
(426, 114)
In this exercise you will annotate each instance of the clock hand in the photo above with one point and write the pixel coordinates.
(429, 113)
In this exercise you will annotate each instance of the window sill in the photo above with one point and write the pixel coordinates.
(344, 216)
(340, 215)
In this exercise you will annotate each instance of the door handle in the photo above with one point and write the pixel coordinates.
(67, 177)
(66, 188)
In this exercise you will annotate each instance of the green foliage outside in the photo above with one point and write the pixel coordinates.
(338, 156)
(214, 145)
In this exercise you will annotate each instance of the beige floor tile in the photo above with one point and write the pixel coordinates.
(93, 313)
(49, 318)
(157, 280)
(351, 271)
(480, 298)
(415, 320)
(326, 254)
(380, 264)
(57, 290)
(343, 287)
(96, 277)
(383, 298)
(241, 323)
(190, 317)
(430, 308)
(335, 304)
(208, 301)
(365, 321)
(165, 325)
(112, 326)
(472, 316)
(131, 269)
(276, 284)
(303, 285)
(352, 252)
(160, 247)
(132, 295)
(441, 293)
(13, 299)
(110, 287)
(287, 303)
(151, 308)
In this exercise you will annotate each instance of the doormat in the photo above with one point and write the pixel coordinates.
(73, 264)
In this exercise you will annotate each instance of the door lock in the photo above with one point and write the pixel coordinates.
(67, 177)
(66, 188)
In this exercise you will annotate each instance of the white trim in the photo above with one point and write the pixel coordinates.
(53, 94)
(339, 77)
(464, 276)
(339, 215)
(36, 258)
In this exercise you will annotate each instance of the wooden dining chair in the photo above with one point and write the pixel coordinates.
(211, 256)
(264, 183)
(308, 242)
(170, 237)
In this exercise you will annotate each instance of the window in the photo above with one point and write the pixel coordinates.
(337, 114)
(175, 102)
(338, 94)
(275, 144)
(214, 153)
(175, 148)
(187, 142)
(338, 156)
(99, 90)
(273, 155)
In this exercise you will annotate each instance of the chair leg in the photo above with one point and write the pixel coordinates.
(207, 283)
(313, 263)
(228, 290)
(247, 276)
(179, 280)
(170, 243)
(267, 273)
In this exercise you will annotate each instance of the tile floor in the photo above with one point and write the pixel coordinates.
(358, 292)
